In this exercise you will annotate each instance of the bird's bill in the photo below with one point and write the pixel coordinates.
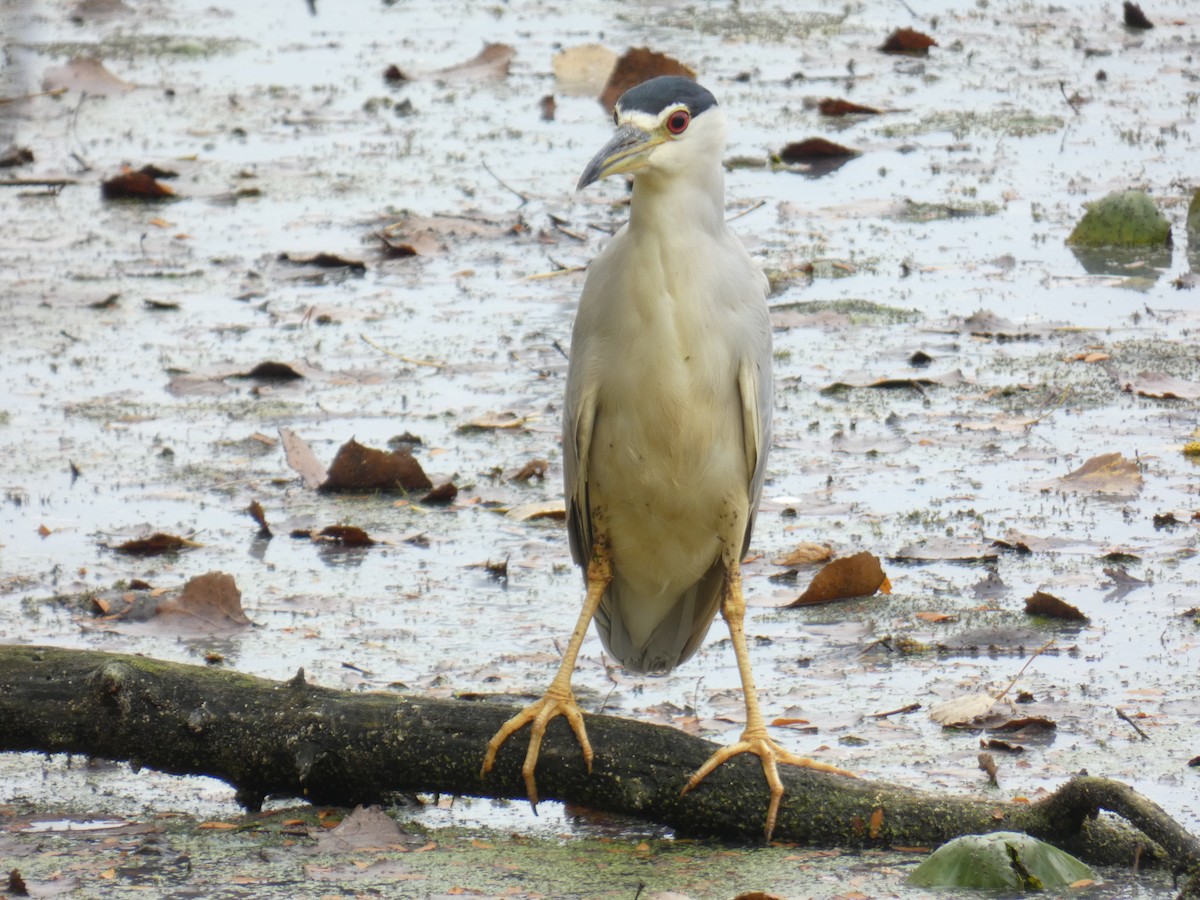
(626, 151)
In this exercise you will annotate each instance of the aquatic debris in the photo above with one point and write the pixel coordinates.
(908, 41)
(860, 575)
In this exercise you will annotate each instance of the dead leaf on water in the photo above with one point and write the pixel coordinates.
(583, 71)
(805, 553)
(345, 535)
(910, 382)
(635, 66)
(300, 457)
(1041, 603)
(360, 468)
(936, 617)
(259, 515)
(210, 603)
(908, 41)
(1163, 387)
(835, 107)
(86, 74)
(493, 422)
(493, 61)
(1110, 474)
(442, 495)
(962, 710)
(135, 186)
(860, 575)
(535, 468)
(813, 150)
(156, 544)
(551, 509)
(941, 548)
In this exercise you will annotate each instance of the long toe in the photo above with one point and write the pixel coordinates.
(538, 715)
(770, 754)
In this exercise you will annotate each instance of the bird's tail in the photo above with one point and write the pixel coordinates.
(627, 628)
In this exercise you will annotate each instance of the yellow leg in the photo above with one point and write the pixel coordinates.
(559, 699)
(754, 738)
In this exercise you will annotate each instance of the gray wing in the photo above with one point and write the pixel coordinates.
(579, 416)
(756, 386)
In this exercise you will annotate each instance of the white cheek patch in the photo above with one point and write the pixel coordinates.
(638, 119)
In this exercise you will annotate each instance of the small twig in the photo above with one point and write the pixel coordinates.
(37, 182)
(59, 91)
(504, 184)
(433, 364)
(1055, 407)
(745, 212)
(567, 270)
(912, 707)
(1124, 716)
(1036, 653)
(1062, 86)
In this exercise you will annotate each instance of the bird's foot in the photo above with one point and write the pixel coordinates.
(555, 703)
(770, 753)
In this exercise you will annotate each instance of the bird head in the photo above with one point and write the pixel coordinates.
(667, 126)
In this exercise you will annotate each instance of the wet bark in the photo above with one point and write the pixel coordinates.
(292, 739)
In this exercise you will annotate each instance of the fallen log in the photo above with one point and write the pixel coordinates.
(294, 739)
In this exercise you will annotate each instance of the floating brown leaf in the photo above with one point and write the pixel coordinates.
(493, 421)
(86, 74)
(256, 512)
(347, 535)
(535, 468)
(912, 382)
(638, 65)
(324, 261)
(1001, 746)
(1163, 387)
(936, 617)
(962, 710)
(301, 458)
(366, 828)
(582, 71)
(1041, 603)
(134, 186)
(1028, 725)
(155, 545)
(359, 468)
(1134, 17)
(860, 575)
(210, 602)
(988, 764)
(441, 495)
(551, 509)
(1109, 473)
(814, 150)
(15, 156)
(837, 107)
(493, 61)
(805, 554)
(908, 40)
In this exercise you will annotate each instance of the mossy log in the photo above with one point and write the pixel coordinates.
(293, 739)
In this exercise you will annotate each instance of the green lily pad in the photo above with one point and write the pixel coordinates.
(1122, 219)
(1003, 860)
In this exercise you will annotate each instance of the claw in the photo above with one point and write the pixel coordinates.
(538, 715)
(770, 753)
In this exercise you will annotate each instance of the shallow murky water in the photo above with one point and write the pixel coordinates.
(959, 203)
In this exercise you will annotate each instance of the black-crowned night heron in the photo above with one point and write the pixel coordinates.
(667, 419)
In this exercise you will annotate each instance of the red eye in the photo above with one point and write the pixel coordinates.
(678, 122)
